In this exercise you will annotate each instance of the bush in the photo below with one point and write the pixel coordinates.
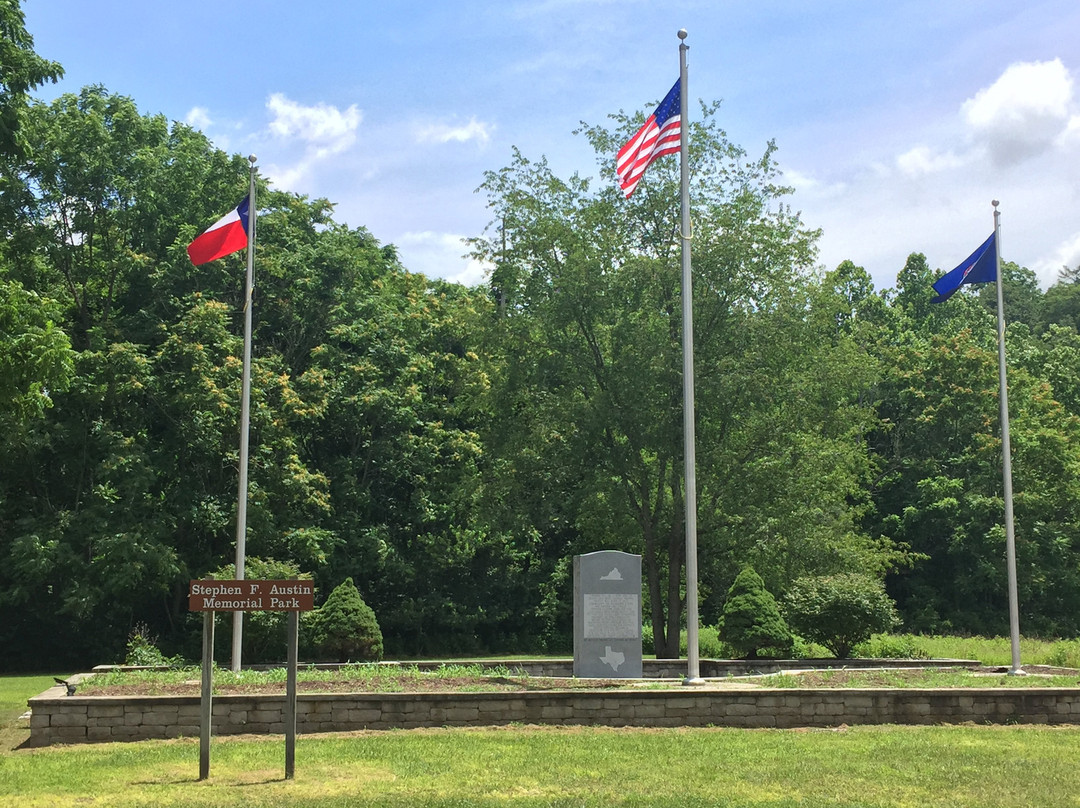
(751, 621)
(345, 628)
(804, 649)
(142, 649)
(839, 611)
(709, 644)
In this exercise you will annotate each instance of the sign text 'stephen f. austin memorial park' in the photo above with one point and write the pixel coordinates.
(251, 596)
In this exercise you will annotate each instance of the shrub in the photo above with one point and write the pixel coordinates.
(345, 628)
(709, 644)
(142, 649)
(804, 649)
(751, 621)
(839, 611)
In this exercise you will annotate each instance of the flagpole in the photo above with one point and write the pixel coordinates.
(245, 418)
(693, 675)
(1006, 454)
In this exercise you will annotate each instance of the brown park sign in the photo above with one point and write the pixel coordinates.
(251, 596)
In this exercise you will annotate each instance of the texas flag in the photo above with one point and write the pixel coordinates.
(227, 235)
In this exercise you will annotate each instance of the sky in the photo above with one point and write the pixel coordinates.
(896, 123)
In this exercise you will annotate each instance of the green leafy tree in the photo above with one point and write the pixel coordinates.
(1061, 303)
(36, 360)
(345, 627)
(751, 621)
(126, 486)
(365, 387)
(839, 611)
(587, 368)
(940, 488)
(1024, 300)
(21, 71)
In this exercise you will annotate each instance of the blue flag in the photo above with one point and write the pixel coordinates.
(979, 267)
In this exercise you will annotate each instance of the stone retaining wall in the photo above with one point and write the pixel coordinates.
(56, 718)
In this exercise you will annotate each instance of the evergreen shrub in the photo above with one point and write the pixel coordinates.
(751, 621)
(345, 627)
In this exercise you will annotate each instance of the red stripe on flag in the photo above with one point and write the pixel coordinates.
(648, 143)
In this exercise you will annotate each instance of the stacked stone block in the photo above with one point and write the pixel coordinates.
(57, 719)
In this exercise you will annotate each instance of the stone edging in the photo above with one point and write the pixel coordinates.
(56, 718)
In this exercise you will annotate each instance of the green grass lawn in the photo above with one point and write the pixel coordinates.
(14, 692)
(532, 766)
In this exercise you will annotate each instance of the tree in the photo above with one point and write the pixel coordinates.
(36, 360)
(345, 627)
(1061, 303)
(940, 487)
(751, 620)
(102, 207)
(21, 70)
(588, 423)
(839, 611)
(1024, 300)
(125, 488)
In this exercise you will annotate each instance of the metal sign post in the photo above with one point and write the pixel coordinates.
(210, 597)
(207, 690)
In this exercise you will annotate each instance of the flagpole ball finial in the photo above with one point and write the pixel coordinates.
(682, 33)
(252, 158)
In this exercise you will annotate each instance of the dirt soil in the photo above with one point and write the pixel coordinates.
(385, 684)
(890, 678)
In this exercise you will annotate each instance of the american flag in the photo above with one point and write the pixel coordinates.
(659, 136)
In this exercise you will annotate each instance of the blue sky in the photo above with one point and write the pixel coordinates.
(897, 123)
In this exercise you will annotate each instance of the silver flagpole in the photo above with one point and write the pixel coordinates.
(693, 675)
(1006, 455)
(245, 419)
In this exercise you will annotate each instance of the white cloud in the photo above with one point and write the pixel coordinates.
(323, 127)
(319, 131)
(806, 184)
(440, 255)
(1024, 112)
(1067, 254)
(1071, 134)
(923, 160)
(198, 118)
(444, 133)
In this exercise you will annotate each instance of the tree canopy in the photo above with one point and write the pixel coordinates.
(449, 449)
